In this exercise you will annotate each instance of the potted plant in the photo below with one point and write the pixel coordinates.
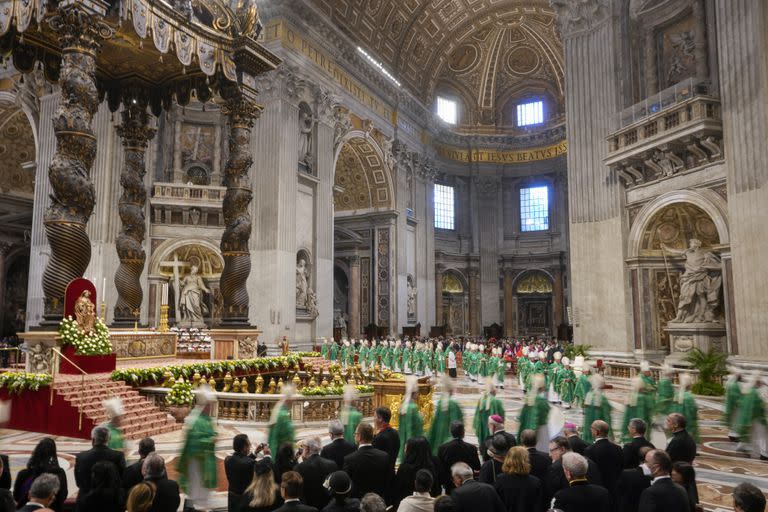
(711, 367)
(180, 399)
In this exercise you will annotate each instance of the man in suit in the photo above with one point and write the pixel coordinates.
(470, 495)
(496, 426)
(631, 450)
(314, 470)
(387, 439)
(42, 493)
(290, 489)
(166, 491)
(457, 450)
(540, 462)
(5, 475)
(368, 467)
(580, 495)
(607, 455)
(491, 468)
(681, 447)
(632, 483)
(132, 474)
(84, 461)
(339, 447)
(663, 495)
(571, 432)
(239, 469)
(748, 498)
(555, 479)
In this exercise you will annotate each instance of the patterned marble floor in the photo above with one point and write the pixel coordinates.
(719, 466)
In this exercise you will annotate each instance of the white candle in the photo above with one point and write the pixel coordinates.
(165, 294)
(104, 290)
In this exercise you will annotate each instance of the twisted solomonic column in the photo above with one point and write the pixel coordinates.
(237, 220)
(73, 195)
(136, 134)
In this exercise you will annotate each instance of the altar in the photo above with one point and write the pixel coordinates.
(133, 344)
(390, 393)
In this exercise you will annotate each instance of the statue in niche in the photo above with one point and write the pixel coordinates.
(312, 303)
(302, 283)
(193, 309)
(194, 216)
(340, 322)
(411, 291)
(699, 285)
(85, 312)
(306, 123)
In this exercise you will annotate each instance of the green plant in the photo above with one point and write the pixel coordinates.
(16, 382)
(711, 368)
(333, 390)
(310, 354)
(572, 351)
(180, 394)
(95, 343)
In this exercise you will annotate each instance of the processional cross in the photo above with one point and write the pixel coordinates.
(176, 265)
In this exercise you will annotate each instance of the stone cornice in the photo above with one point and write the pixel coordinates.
(543, 137)
(576, 17)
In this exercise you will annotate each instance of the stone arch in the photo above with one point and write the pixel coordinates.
(18, 146)
(533, 291)
(707, 201)
(529, 272)
(362, 177)
(455, 302)
(165, 250)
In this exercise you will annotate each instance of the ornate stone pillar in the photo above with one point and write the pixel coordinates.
(72, 191)
(557, 299)
(439, 269)
(354, 296)
(5, 248)
(474, 301)
(509, 310)
(136, 133)
(234, 242)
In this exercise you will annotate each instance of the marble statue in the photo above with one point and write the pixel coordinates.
(193, 309)
(340, 322)
(39, 359)
(85, 312)
(302, 283)
(411, 304)
(699, 285)
(312, 303)
(306, 123)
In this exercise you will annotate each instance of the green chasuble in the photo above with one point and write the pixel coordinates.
(501, 369)
(649, 385)
(281, 431)
(665, 393)
(324, 351)
(685, 404)
(732, 399)
(334, 351)
(566, 385)
(351, 356)
(485, 409)
(199, 444)
(344, 352)
(533, 416)
(411, 425)
(350, 418)
(446, 412)
(523, 369)
(440, 361)
(541, 367)
(751, 410)
(596, 408)
(643, 409)
(583, 387)
(116, 441)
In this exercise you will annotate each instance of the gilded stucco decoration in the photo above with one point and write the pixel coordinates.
(675, 225)
(451, 284)
(361, 179)
(534, 282)
(17, 147)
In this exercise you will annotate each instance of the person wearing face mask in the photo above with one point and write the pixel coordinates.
(663, 495)
(631, 483)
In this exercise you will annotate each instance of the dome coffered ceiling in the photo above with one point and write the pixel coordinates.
(486, 50)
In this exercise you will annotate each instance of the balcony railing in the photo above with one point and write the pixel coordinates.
(188, 191)
(663, 100)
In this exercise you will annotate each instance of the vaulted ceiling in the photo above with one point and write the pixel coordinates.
(486, 50)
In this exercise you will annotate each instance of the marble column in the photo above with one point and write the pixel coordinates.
(474, 301)
(241, 113)
(73, 194)
(354, 296)
(557, 299)
(439, 269)
(136, 134)
(509, 311)
(5, 248)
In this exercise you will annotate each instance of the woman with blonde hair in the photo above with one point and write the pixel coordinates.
(262, 495)
(141, 497)
(519, 490)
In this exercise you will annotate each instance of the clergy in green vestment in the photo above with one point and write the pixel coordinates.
(751, 425)
(501, 368)
(639, 405)
(583, 385)
(344, 353)
(665, 392)
(334, 350)
(685, 404)
(362, 357)
(446, 412)
(535, 412)
(397, 358)
(115, 411)
(487, 406)
(596, 407)
(733, 396)
(649, 385)
(196, 466)
(440, 355)
(280, 424)
(324, 349)
(566, 383)
(522, 367)
(553, 391)
(351, 355)
(411, 422)
(350, 417)
(541, 367)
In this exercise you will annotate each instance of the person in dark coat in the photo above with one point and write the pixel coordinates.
(663, 495)
(496, 426)
(387, 439)
(132, 474)
(340, 487)
(682, 446)
(457, 450)
(263, 494)
(106, 492)
(417, 456)
(684, 475)
(284, 460)
(518, 489)
(580, 495)
(631, 450)
(607, 455)
(239, 469)
(166, 491)
(7, 503)
(631, 484)
(85, 461)
(5, 474)
(44, 459)
(291, 490)
(469, 495)
(571, 432)
(42, 493)
(368, 467)
(314, 470)
(498, 452)
(339, 447)
(748, 498)
(540, 462)
(555, 479)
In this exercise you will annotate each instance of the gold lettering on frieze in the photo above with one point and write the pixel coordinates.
(491, 156)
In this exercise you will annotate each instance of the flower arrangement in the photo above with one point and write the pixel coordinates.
(310, 354)
(95, 343)
(16, 382)
(180, 394)
(332, 390)
(140, 376)
(193, 339)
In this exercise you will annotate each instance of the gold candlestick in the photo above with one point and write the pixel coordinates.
(164, 318)
(104, 312)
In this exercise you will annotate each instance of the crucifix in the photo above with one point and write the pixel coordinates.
(176, 265)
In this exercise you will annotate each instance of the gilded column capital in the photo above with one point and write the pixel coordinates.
(241, 111)
(354, 260)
